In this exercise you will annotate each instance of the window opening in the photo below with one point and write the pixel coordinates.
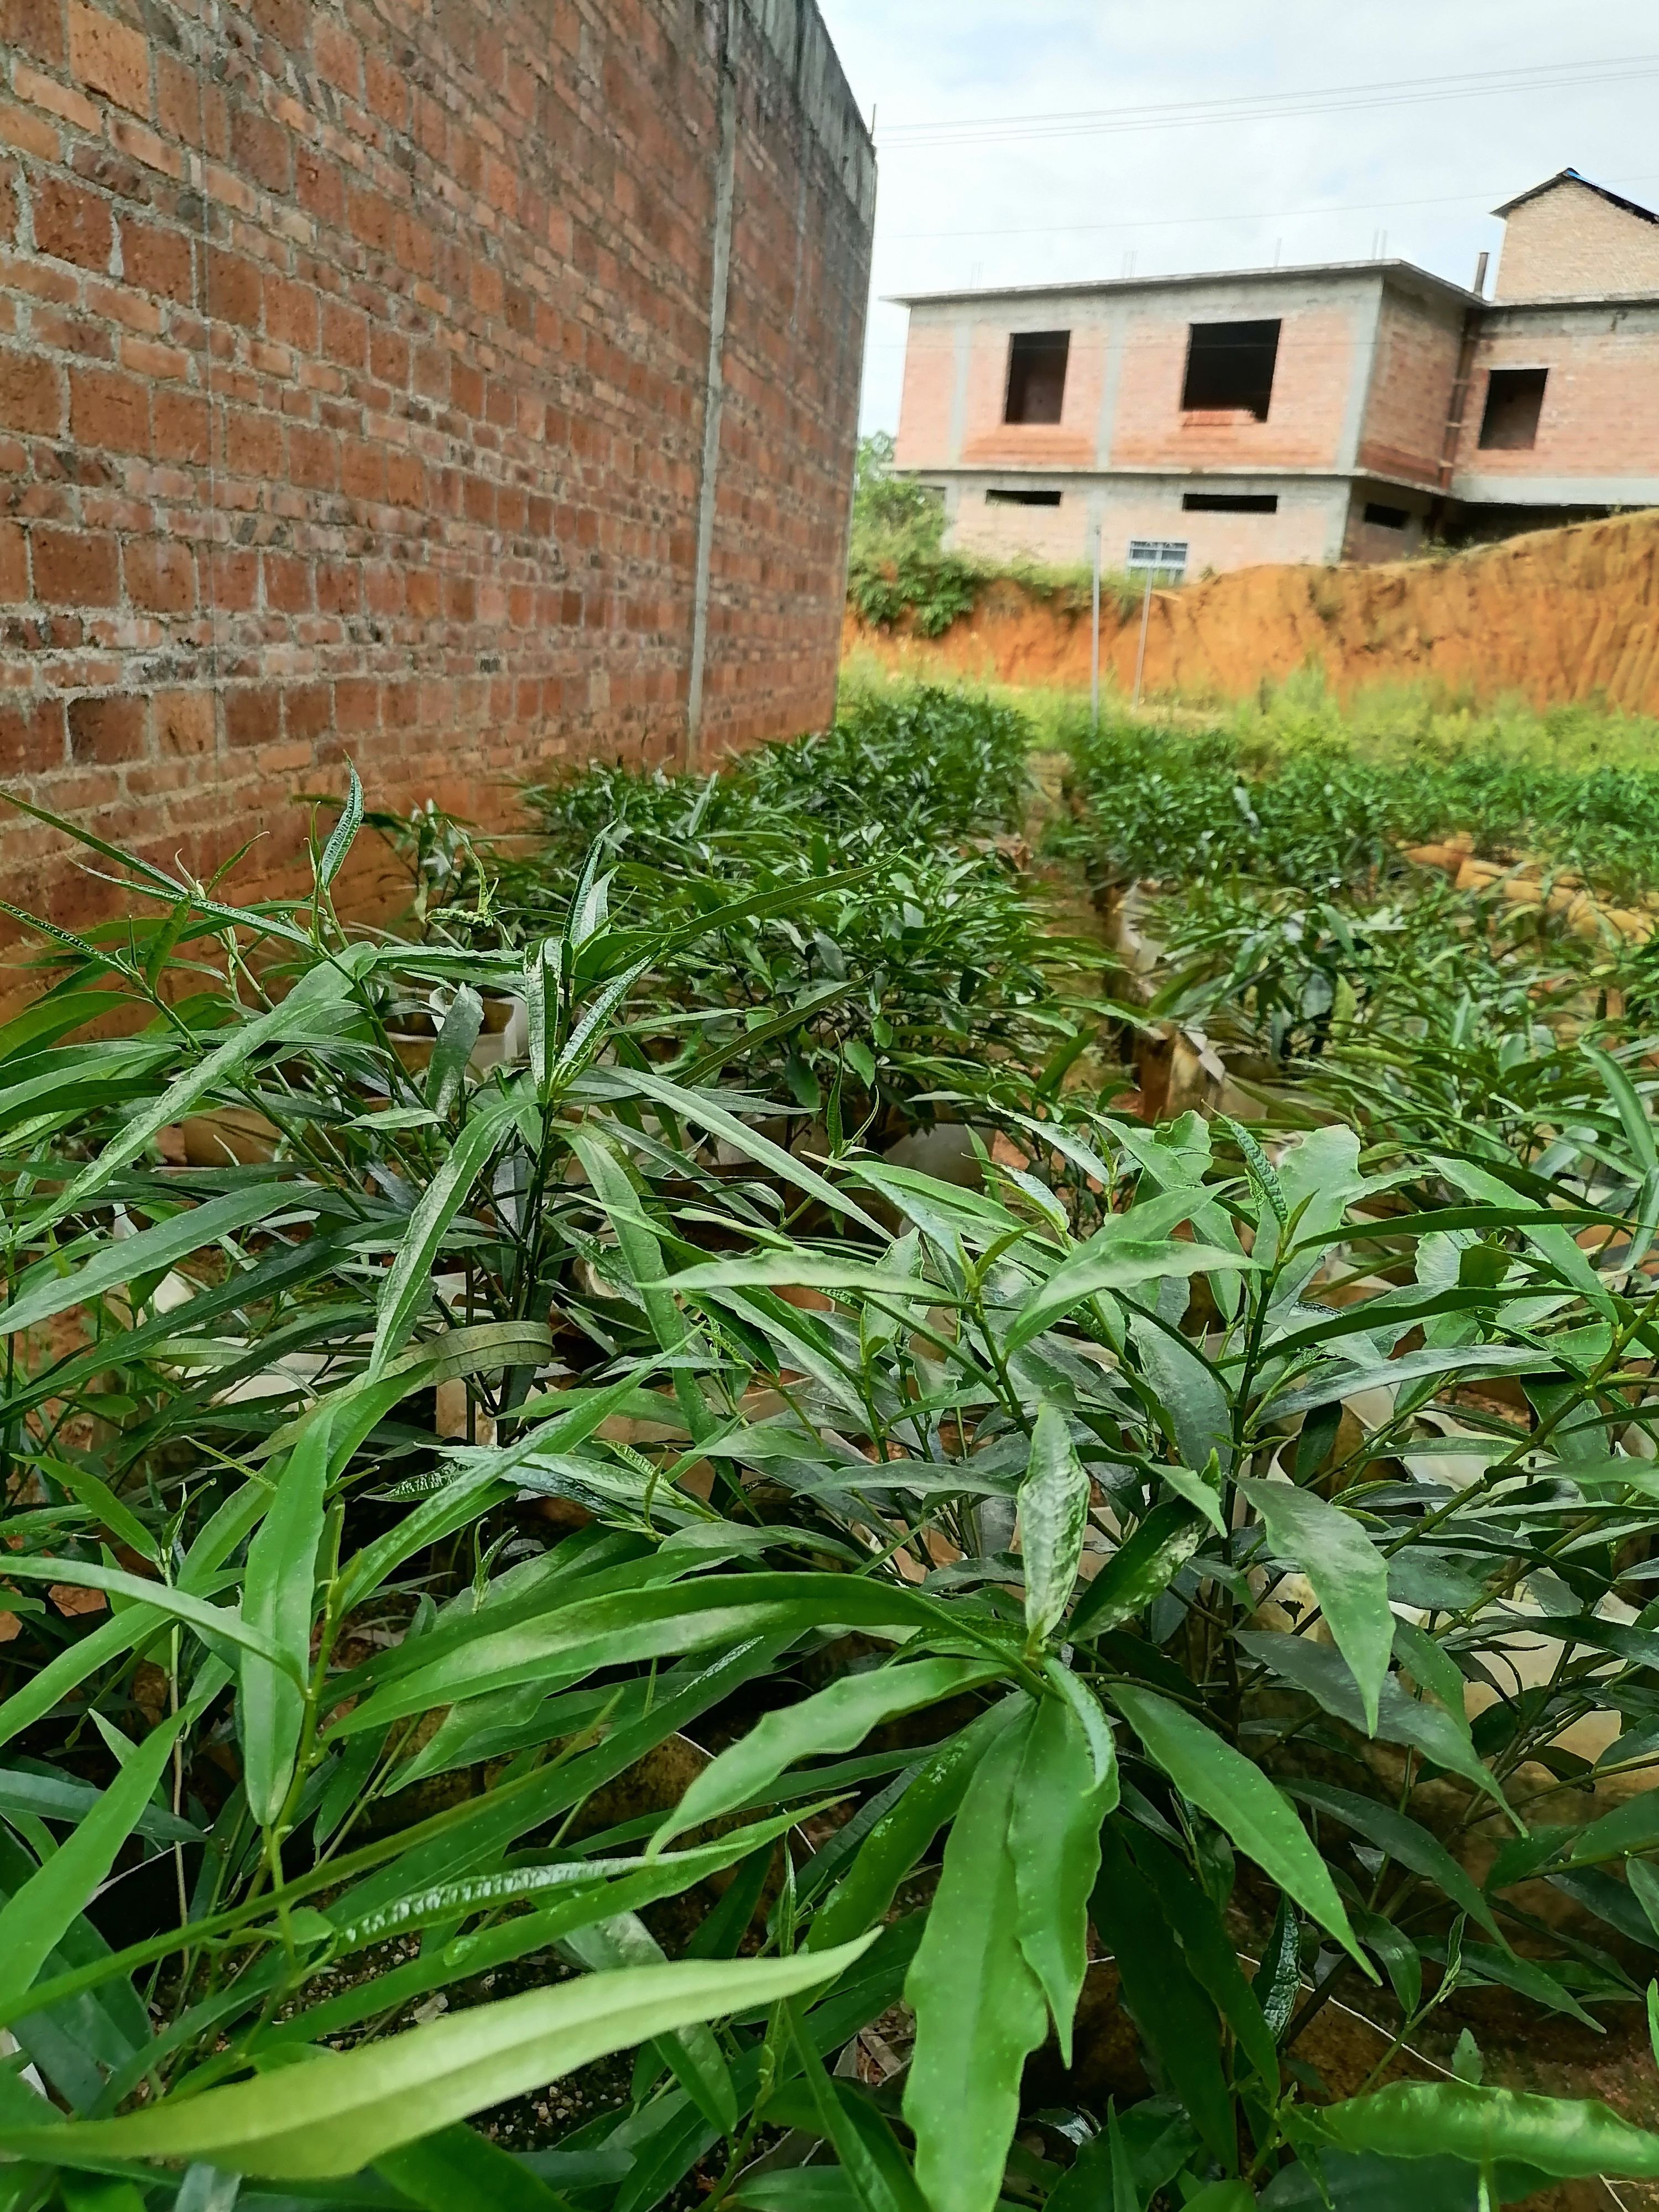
(1230, 502)
(1000, 496)
(1159, 556)
(1515, 400)
(1037, 376)
(1387, 518)
(1230, 368)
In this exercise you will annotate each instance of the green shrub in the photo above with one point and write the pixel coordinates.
(594, 1596)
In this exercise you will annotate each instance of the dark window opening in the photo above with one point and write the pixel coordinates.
(1230, 368)
(1515, 400)
(1387, 518)
(996, 497)
(1037, 376)
(1230, 502)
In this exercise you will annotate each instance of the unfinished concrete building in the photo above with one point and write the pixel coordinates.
(461, 388)
(1342, 411)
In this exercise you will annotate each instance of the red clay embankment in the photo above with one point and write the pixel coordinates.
(1555, 617)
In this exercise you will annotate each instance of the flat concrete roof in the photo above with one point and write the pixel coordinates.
(1406, 274)
(1290, 273)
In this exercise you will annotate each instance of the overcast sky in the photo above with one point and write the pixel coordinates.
(1321, 185)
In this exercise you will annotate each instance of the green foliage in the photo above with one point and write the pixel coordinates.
(900, 572)
(588, 1574)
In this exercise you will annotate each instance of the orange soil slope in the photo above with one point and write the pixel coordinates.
(1557, 616)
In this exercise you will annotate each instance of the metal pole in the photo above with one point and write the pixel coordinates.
(1094, 683)
(1145, 622)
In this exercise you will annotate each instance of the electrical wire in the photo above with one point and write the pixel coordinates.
(1400, 92)
(1232, 215)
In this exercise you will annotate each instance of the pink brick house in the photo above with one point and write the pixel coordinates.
(1343, 411)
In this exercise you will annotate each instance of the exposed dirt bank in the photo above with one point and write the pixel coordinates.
(1556, 616)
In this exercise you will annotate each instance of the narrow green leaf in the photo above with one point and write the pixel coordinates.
(978, 2008)
(835, 1719)
(1239, 1798)
(902, 1833)
(1139, 1570)
(1570, 2139)
(1208, 1949)
(122, 1260)
(346, 2112)
(1125, 1267)
(1054, 1841)
(319, 992)
(458, 2170)
(1324, 1673)
(277, 1601)
(1174, 2016)
(344, 832)
(408, 1279)
(207, 1621)
(35, 1918)
(1054, 1519)
(1349, 1575)
(1405, 1840)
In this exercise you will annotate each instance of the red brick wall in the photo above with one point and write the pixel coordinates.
(1599, 426)
(1419, 341)
(353, 364)
(1570, 243)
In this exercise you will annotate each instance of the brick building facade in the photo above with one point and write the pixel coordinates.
(462, 387)
(1338, 412)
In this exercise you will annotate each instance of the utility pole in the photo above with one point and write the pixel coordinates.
(1145, 623)
(1094, 676)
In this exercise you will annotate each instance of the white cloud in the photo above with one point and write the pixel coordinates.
(1310, 187)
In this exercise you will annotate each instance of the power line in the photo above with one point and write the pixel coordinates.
(1267, 106)
(1177, 222)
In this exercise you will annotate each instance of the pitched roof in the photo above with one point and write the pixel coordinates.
(1572, 177)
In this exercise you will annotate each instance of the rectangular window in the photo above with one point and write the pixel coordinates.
(1230, 502)
(1037, 376)
(1230, 368)
(1160, 556)
(1387, 518)
(997, 496)
(1515, 400)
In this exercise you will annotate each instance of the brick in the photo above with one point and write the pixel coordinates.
(109, 412)
(34, 27)
(13, 565)
(261, 148)
(253, 444)
(161, 575)
(179, 423)
(338, 56)
(291, 314)
(159, 261)
(32, 741)
(282, 19)
(109, 56)
(233, 290)
(308, 711)
(184, 723)
(72, 224)
(287, 584)
(76, 567)
(313, 457)
(253, 714)
(105, 729)
(345, 335)
(31, 395)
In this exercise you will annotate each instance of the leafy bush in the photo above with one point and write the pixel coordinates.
(1295, 794)
(592, 1595)
(900, 572)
